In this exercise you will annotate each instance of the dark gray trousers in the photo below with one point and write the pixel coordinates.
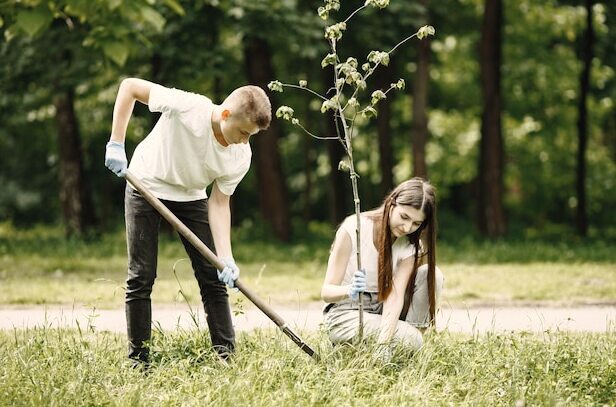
(142, 227)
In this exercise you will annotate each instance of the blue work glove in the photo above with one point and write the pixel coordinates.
(115, 158)
(358, 284)
(229, 273)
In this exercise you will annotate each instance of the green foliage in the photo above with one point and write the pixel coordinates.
(33, 21)
(108, 23)
(334, 32)
(199, 48)
(52, 48)
(346, 73)
(541, 136)
(60, 367)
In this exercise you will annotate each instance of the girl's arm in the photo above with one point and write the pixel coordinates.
(332, 290)
(395, 301)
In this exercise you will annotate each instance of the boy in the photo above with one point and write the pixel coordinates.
(195, 143)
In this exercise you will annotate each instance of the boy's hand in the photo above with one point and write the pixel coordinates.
(230, 273)
(358, 285)
(115, 158)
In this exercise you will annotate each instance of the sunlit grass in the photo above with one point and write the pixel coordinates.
(286, 283)
(61, 367)
(39, 266)
(548, 282)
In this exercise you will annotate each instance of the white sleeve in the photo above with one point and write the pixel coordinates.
(228, 183)
(171, 100)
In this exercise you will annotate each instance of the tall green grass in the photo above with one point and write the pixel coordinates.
(60, 367)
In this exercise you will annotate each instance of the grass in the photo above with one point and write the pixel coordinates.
(61, 367)
(39, 266)
(43, 366)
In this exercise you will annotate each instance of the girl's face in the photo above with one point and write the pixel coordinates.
(404, 220)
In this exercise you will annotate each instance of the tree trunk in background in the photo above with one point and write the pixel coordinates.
(308, 154)
(582, 122)
(338, 185)
(308, 170)
(76, 202)
(213, 20)
(419, 124)
(491, 217)
(383, 126)
(273, 197)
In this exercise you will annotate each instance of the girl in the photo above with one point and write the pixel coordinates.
(399, 294)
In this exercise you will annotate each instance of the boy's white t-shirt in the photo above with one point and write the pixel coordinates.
(181, 157)
(400, 250)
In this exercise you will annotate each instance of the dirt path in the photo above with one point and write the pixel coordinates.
(474, 319)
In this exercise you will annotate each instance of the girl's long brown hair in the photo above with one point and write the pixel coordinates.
(419, 194)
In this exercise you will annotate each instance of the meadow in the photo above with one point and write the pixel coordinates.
(40, 267)
(43, 366)
(72, 368)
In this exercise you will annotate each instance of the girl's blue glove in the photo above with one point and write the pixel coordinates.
(358, 285)
(115, 158)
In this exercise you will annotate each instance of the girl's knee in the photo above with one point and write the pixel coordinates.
(439, 278)
(409, 335)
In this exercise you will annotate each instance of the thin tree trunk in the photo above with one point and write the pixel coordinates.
(582, 123)
(383, 126)
(491, 219)
(419, 125)
(273, 199)
(77, 208)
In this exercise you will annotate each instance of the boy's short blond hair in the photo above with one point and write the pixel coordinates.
(253, 102)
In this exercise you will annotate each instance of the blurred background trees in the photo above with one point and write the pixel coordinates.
(509, 108)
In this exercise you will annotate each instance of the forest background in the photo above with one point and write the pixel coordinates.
(509, 110)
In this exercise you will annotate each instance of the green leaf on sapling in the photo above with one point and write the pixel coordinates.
(285, 112)
(275, 86)
(330, 59)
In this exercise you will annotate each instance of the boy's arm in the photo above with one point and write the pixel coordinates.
(219, 215)
(131, 89)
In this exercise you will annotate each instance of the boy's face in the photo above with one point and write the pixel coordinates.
(237, 129)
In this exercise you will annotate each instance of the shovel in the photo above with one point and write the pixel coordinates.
(211, 257)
